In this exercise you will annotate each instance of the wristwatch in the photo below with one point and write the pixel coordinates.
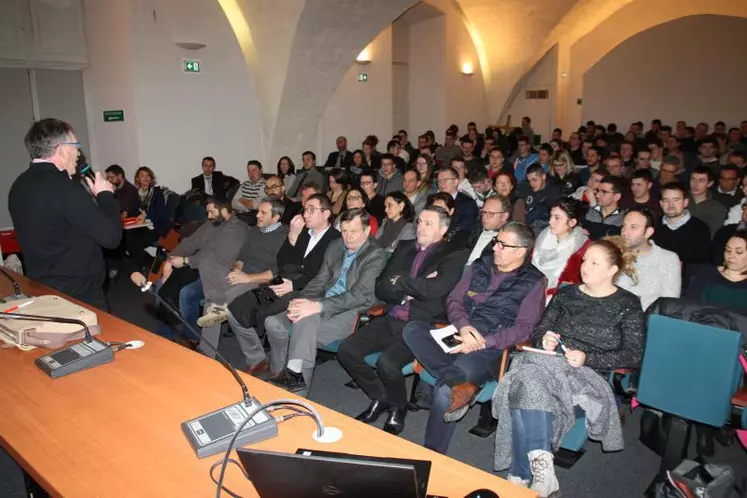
(186, 260)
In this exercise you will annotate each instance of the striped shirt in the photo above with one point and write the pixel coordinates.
(251, 191)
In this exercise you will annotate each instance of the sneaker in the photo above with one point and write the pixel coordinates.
(544, 482)
(215, 314)
(524, 483)
(290, 381)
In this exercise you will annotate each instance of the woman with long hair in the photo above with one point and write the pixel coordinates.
(286, 171)
(601, 327)
(425, 166)
(398, 224)
(338, 188)
(561, 244)
(152, 208)
(723, 285)
(562, 173)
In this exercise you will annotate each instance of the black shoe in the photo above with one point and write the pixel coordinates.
(290, 381)
(373, 412)
(396, 421)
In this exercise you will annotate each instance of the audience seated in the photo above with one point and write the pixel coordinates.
(274, 187)
(414, 284)
(602, 329)
(588, 193)
(679, 231)
(245, 198)
(371, 157)
(497, 163)
(153, 208)
(465, 206)
(358, 199)
(338, 189)
(394, 148)
(327, 307)
(374, 201)
(449, 150)
(125, 192)
(341, 158)
(538, 198)
(309, 174)
(464, 186)
(505, 184)
(482, 186)
(642, 196)
(658, 272)
(457, 236)
(605, 218)
(424, 166)
(286, 171)
(728, 192)
(700, 200)
(389, 178)
(256, 263)
(210, 183)
(412, 188)
(398, 225)
(723, 285)
(560, 247)
(495, 305)
(525, 157)
(493, 215)
(299, 260)
(357, 166)
(562, 174)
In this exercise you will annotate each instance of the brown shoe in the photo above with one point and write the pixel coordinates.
(260, 367)
(461, 395)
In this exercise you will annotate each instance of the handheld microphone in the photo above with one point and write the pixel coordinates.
(241, 423)
(88, 353)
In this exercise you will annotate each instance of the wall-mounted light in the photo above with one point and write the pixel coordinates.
(467, 69)
(190, 45)
(364, 57)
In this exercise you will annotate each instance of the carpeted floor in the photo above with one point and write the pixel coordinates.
(596, 475)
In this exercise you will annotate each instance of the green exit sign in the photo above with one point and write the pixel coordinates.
(110, 116)
(190, 66)
(362, 77)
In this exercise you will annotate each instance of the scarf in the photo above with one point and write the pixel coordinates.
(550, 256)
(145, 196)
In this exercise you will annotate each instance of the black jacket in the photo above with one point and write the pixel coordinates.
(61, 229)
(332, 160)
(466, 211)
(429, 294)
(128, 199)
(292, 263)
(221, 184)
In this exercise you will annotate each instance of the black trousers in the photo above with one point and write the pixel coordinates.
(385, 382)
(136, 240)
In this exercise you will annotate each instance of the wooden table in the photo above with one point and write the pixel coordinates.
(115, 430)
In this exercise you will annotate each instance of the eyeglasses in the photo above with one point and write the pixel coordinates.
(502, 245)
(312, 209)
(444, 180)
(354, 198)
(490, 214)
(77, 145)
(602, 191)
(270, 188)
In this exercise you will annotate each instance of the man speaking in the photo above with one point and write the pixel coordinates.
(61, 228)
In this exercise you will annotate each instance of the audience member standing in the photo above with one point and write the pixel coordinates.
(60, 227)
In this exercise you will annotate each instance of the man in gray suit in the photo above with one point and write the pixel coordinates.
(328, 305)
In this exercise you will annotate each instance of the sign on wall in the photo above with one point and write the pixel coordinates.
(189, 66)
(362, 77)
(111, 116)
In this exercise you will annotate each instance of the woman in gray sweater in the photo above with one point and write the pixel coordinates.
(593, 328)
(398, 224)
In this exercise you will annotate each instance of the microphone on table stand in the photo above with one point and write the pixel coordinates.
(17, 294)
(211, 433)
(88, 353)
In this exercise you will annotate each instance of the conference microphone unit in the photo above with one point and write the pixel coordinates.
(213, 432)
(88, 353)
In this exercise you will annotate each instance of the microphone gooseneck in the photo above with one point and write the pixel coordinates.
(53, 319)
(16, 288)
(148, 287)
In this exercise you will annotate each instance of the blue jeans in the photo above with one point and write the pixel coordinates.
(449, 370)
(531, 430)
(189, 307)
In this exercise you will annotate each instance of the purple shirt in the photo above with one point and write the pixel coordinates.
(530, 310)
(402, 311)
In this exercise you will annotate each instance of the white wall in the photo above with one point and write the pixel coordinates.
(182, 117)
(696, 73)
(543, 76)
(400, 75)
(426, 82)
(358, 109)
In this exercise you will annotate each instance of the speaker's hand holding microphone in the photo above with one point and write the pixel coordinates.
(98, 184)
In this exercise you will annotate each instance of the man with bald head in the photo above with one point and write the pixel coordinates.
(340, 158)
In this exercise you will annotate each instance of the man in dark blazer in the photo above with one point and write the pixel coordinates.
(210, 183)
(414, 284)
(299, 260)
(466, 207)
(329, 304)
(341, 158)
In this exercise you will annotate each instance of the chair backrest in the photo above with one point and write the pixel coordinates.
(690, 370)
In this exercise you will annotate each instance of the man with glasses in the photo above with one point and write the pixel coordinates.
(606, 217)
(124, 191)
(275, 187)
(327, 307)
(466, 207)
(60, 230)
(299, 260)
(493, 215)
(495, 305)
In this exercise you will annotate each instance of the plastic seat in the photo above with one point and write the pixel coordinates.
(371, 360)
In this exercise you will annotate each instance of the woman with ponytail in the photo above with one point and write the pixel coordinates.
(594, 328)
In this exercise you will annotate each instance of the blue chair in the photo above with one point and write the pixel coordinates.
(690, 373)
